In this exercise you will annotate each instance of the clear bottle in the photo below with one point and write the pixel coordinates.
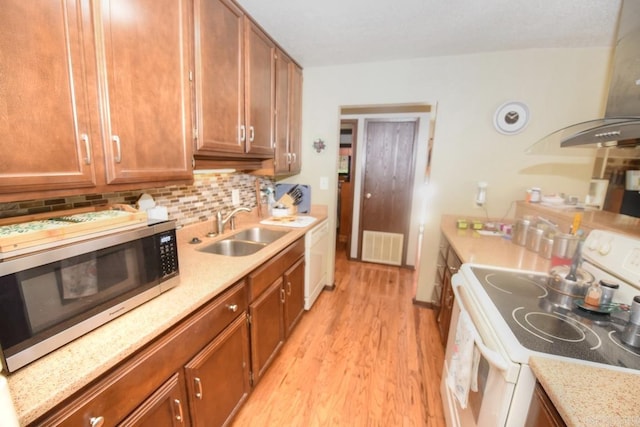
(594, 293)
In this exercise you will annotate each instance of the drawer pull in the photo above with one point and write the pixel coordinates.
(179, 414)
(232, 307)
(118, 157)
(96, 421)
(198, 385)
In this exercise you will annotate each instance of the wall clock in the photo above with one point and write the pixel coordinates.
(511, 117)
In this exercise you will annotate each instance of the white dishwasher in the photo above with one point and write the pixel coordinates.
(316, 243)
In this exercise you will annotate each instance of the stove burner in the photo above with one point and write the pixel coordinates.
(617, 341)
(516, 285)
(552, 327)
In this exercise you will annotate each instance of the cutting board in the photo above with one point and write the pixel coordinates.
(289, 221)
(305, 204)
(66, 225)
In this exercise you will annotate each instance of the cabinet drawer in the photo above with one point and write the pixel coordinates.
(118, 393)
(267, 273)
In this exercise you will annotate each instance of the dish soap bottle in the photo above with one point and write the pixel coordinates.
(594, 293)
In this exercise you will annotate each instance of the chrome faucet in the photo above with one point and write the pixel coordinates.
(231, 217)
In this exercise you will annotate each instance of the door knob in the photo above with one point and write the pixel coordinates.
(367, 196)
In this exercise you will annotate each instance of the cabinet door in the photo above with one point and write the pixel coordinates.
(294, 295)
(295, 119)
(218, 376)
(219, 36)
(267, 328)
(282, 156)
(166, 407)
(446, 306)
(259, 77)
(44, 102)
(145, 94)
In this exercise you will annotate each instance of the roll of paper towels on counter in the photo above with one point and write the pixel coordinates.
(8, 416)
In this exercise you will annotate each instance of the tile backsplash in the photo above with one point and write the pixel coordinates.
(187, 204)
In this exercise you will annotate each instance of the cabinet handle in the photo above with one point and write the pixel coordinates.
(251, 133)
(179, 405)
(288, 158)
(282, 295)
(288, 288)
(453, 269)
(85, 138)
(118, 156)
(198, 385)
(233, 308)
(295, 158)
(96, 421)
(243, 133)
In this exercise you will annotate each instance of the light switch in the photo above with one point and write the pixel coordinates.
(324, 183)
(235, 197)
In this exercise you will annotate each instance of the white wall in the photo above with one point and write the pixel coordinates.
(560, 86)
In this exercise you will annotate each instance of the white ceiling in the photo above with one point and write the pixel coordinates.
(331, 32)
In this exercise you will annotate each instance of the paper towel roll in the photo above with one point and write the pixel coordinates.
(8, 416)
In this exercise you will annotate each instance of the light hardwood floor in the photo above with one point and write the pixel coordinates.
(363, 356)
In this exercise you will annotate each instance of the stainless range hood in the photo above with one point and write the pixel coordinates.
(620, 126)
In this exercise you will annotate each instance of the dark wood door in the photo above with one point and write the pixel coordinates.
(219, 46)
(267, 328)
(146, 97)
(388, 177)
(45, 105)
(259, 95)
(294, 295)
(166, 407)
(218, 376)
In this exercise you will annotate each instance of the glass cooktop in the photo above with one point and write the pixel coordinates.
(546, 321)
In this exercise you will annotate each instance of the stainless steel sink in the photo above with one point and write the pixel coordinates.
(245, 242)
(259, 234)
(232, 247)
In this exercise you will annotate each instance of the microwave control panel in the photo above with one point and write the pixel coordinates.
(168, 250)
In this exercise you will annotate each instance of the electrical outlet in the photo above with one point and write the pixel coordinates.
(324, 183)
(235, 197)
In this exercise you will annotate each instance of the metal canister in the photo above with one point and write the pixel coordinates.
(634, 315)
(608, 289)
(520, 231)
(546, 247)
(534, 239)
(564, 246)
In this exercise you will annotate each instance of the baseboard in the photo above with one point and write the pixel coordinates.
(425, 304)
(331, 287)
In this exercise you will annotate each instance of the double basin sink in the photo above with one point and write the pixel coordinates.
(245, 242)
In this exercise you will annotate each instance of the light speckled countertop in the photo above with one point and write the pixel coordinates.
(583, 394)
(46, 382)
(589, 396)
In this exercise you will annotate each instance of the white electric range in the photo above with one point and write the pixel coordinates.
(511, 315)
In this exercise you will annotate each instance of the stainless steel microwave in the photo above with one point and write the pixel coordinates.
(51, 297)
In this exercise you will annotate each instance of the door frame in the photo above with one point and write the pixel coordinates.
(362, 172)
(421, 193)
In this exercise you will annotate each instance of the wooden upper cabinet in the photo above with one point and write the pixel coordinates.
(146, 95)
(259, 77)
(234, 83)
(219, 47)
(295, 119)
(45, 116)
(282, 157)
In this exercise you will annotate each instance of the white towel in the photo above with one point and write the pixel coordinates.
(464, 361)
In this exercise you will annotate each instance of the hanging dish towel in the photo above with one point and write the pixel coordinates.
(464, 361)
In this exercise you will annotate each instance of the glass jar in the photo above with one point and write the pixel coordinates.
(594, 293)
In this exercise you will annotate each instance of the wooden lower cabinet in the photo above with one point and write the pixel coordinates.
(542, 412)
(276, 293)
(218, 377)
(166, 407)
(148, 388)
(451, 265)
